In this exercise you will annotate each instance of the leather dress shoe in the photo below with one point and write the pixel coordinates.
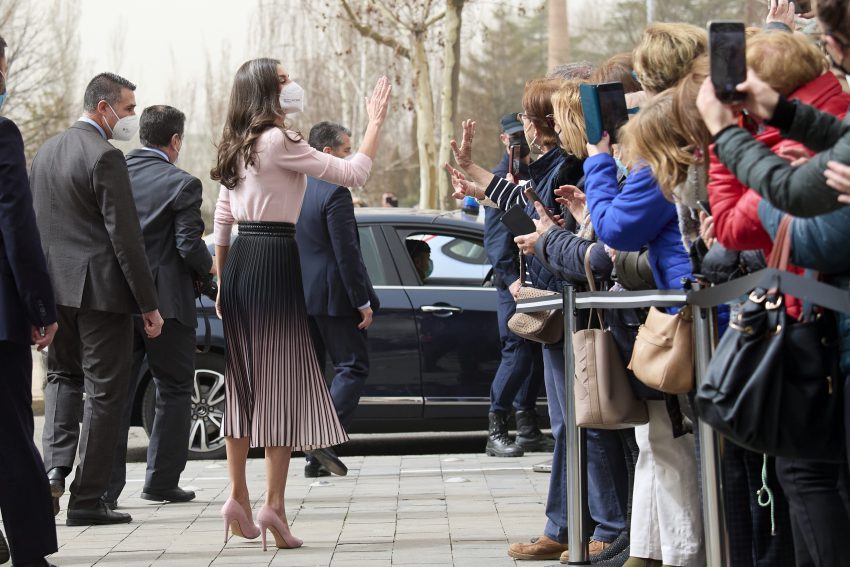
(111, 504)
(97, 516)
(4, 549)
(315, 470)
(328, 459)
(538, 548)
(169, 495)
(56, 476)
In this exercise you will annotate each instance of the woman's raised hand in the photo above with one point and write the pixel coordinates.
(575, 200)
(462, 186)
(463, 153)
(378, 104)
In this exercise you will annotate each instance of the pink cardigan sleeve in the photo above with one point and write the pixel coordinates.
(223, 220)
(301, 157)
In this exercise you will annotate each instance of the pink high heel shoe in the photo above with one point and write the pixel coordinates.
(283, 538)
(237, 521)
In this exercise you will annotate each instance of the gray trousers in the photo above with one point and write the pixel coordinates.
(171, 360)
(91, 354)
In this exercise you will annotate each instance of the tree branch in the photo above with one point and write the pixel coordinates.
(371, 33)
(382, 7)
(435, 19)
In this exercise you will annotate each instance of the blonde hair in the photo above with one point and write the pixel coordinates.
(771, 55)
(649, 140)
(686, 117)
(665, 53)
(566, 105)
(537, 103)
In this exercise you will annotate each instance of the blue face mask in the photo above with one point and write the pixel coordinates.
(624, 171)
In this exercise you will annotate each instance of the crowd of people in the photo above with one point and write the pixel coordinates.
(694, 189)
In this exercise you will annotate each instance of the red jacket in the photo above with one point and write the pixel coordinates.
(733, 205)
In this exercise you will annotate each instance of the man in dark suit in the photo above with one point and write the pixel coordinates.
(27, 316)
(96, 259)
(168, 202)
(340, 298)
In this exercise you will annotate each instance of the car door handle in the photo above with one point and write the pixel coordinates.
(444, 310)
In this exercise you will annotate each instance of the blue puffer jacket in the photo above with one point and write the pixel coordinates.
(635, 216)
(820, 243)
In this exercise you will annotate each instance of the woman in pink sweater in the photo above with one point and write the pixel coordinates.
(276, 396)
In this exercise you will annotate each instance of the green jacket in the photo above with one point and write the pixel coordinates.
(801, 191)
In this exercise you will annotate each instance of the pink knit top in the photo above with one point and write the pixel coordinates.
(273, 188)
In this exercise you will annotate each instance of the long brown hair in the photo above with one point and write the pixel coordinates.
(569, 117)
(649, 140)
(254, 107)
(537, 103)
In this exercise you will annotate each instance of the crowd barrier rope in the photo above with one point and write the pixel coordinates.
(703, 301)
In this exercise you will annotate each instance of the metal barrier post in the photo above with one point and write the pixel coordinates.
(576, 441)
(716, 538)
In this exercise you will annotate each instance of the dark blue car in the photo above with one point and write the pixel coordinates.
(434, 344)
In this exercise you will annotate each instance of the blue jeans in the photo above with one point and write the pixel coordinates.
(520, 374)
(607, 475)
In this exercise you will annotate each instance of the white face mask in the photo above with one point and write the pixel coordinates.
(292, 98)
(125, 128)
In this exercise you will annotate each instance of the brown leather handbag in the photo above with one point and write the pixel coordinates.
(546, 326)
(663, 357)
(603, 397)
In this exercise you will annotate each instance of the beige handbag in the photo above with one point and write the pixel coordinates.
(663, 357)
(545, 327)
(603, 397)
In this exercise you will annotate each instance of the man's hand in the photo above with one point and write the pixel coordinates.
(44, 340)
(796, 155)
(603, 146)
(526, 243)
(153, 323)
(365, 318)
(715, 114)
(463, 153)
(761, 99)
(781, 11)
(838, 177)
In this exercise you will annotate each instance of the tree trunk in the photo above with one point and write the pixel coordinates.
(425, 135)
(449, 96)
(559, 33)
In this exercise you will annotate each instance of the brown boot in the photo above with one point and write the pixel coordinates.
(594, 548)
(540, 548)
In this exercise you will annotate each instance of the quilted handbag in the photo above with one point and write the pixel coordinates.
(546, 326)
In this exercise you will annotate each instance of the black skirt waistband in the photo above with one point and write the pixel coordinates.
(278, 229)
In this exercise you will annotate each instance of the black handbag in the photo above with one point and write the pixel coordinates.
(773, 384)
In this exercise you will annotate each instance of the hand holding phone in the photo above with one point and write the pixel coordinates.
(605, 110)
(532, 195)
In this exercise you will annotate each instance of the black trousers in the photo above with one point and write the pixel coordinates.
(171, 359)
(348, 349)
(89, 353)
(820, 511)
(24, 491)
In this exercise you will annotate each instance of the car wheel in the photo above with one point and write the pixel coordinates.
(206, 439)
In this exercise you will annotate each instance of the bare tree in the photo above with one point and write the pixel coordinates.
(559, 33)
(43, 58)
(449, 91)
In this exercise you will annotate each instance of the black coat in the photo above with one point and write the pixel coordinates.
(26, 296)
(168, 202)
(335, 280)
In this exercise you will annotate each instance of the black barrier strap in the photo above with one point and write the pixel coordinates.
(806, 289)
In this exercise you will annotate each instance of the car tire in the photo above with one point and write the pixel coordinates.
(206, 439)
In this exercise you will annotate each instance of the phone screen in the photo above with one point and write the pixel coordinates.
(513, 164)
(727, 45)
(612, 104)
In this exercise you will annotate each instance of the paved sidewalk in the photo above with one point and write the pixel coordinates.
(460, 510)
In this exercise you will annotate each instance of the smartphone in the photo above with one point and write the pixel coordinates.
(514, 163)
(727, 45)
(533, 196)
(802, 6)
(704, 207)
(604, 109)
(517, 221)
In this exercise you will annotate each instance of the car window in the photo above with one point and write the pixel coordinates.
(448, 259)
(369, 250)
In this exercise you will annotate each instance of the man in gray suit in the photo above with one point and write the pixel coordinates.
(96, 258)
(168, 202)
